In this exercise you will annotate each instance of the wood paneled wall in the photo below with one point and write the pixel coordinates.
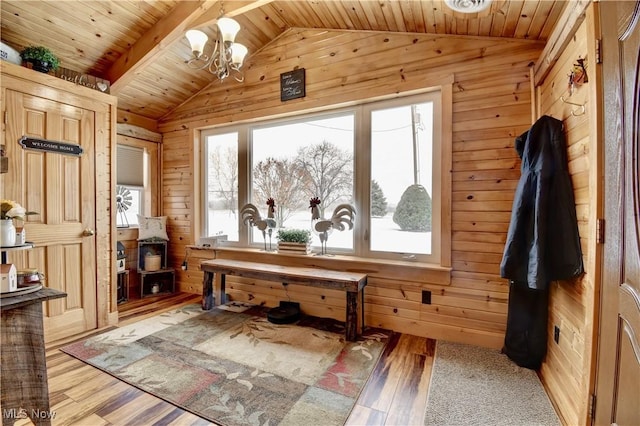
(572, 304)
(491, 106)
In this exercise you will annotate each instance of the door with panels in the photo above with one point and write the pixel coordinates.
(61, 188)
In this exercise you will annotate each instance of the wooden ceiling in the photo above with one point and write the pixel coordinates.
(139, 45)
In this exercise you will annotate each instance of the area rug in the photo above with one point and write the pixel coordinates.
(236, 368)
(479, 386)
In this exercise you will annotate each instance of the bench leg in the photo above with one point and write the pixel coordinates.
(361, 329)
(207, 291)
(220, 290)
(351, 326)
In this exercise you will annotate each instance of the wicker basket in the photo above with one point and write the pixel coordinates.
(152, 262)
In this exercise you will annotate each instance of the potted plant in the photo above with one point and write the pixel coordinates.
(294, 240)
(40, 58)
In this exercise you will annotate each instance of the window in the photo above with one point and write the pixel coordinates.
(383, 158)
(132, 176)
(402, 177)
(221, 200)
(293, 161)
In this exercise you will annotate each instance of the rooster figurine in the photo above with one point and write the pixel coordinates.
(343, 216)
(251, 216)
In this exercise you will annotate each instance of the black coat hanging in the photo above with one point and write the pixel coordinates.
(543, 243)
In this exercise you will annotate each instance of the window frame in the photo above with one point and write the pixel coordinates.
(442, 154)
(151, 161)
(363, 195)
(143, 195)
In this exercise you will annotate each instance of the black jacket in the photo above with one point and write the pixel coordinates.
(543, 244)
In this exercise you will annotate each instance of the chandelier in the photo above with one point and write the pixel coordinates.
(468, 6)
(227, 56)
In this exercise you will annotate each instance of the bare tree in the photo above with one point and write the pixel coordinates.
(328, 172)
(223, 176)
(282, 180)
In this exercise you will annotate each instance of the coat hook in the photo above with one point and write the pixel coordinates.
(573, 112)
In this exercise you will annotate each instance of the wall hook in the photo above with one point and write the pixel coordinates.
(573, 112)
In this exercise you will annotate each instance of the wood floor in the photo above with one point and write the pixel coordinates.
(83, 395)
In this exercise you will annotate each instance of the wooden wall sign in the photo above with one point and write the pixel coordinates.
(50, 146)
(292, 85)
(85, 80)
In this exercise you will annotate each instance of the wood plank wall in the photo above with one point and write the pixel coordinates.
(566, 370)
(491, 106)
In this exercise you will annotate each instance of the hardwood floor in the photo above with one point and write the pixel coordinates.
(395, 394)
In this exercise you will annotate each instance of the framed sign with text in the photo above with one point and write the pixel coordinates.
(50, 146)
(292, 85)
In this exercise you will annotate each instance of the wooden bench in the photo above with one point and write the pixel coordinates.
(352, 283)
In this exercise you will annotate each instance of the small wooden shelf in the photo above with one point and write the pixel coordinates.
(165, 278)
(152, 247)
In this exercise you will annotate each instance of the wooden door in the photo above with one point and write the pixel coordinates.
(618, 365)
(61, 188)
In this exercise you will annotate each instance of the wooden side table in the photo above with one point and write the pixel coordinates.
(25, 389)
(165, 279)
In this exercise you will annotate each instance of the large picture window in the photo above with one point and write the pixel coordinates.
(383, 158)
(294, 161)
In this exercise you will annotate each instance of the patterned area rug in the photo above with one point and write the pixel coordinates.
(478, 386)
(236, 368)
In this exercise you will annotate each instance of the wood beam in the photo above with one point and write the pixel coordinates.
(187, 14)
(137, 132)
(232, 9)
(127, 117)
(154, 42)
(572, 16)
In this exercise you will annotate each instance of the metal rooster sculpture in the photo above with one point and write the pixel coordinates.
(343, 216)
(251, 216)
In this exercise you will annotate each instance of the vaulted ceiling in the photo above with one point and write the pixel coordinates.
(139, 45)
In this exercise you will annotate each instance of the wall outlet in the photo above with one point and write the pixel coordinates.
(556, 333)
(426, 297)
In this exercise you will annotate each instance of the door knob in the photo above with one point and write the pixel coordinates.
(88, 232)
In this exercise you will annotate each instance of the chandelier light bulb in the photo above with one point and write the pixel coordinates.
(197, 40)
(238, 52)
(228, 29)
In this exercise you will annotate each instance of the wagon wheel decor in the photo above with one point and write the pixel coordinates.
(123, 202)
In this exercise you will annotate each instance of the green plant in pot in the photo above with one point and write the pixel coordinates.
(293, 240)
(300, 236)
(41, 58)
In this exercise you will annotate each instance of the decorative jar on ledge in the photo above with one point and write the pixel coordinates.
(7, 233)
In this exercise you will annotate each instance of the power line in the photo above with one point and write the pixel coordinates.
(351, 130)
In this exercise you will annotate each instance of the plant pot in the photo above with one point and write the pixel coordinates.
(294, 248)
(40, 66)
